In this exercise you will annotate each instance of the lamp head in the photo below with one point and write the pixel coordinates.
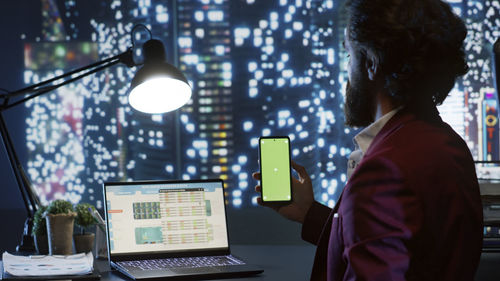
(158, 87)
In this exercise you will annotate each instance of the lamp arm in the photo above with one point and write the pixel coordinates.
(30, 200)
(125, 57)
(96, 67)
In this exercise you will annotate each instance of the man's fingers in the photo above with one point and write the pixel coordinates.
(259, 201)
(258, 188)
(256, 175)
(300, 170)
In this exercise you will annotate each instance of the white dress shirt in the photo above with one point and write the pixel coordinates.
(364, 139)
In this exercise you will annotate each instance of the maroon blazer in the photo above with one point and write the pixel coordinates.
(410, 211)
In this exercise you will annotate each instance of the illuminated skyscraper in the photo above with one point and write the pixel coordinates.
(205, 54)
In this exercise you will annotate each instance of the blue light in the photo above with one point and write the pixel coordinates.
(190, 127)
(237, 193)
(203, 153)
(237, 202)
(191, 170)
(324, 197)
(247, 126)
(282, 114)
(253, 92)
(219, 50)
(199, 144)
(254, 201)
(252, 66)
(242, 159)
(185, 42)
(343, 177)
(242, 32)
(191, 153)
(321, 142)
(215, 16)
(254, 142)
(331, 203)
(333, 149)
(243, 184)
(273, 16)
(298, 26)
(236, 168)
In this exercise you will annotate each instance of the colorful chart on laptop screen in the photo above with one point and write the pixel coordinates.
(166, 216)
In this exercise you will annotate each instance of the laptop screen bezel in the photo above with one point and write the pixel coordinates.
(164, 254)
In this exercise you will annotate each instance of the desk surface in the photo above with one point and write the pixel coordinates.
(294, 262)
(284, 262)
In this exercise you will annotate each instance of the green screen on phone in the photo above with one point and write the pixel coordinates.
(275, 169)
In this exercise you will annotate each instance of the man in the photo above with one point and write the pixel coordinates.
(411, 209)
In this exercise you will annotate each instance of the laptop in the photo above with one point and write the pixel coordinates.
(164, 229)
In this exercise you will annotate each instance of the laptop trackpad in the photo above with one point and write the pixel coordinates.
(194, 270)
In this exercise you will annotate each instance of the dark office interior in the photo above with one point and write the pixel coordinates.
(256, 68)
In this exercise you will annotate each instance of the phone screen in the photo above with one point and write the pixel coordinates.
(275, 169)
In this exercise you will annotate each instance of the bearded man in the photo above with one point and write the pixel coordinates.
(411, 208)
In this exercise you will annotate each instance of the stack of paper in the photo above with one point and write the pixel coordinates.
(78, 264)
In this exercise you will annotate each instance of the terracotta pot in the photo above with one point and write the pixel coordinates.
(84, 243)
(60, 233)
(41, 244)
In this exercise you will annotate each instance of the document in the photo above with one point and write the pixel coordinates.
(78, 264)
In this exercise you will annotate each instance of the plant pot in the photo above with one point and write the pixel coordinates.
(84, 243)
(60, 233)
(41, 244)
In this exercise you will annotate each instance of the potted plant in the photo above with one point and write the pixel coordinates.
(60, 219)
(84, 240)
(39, 231)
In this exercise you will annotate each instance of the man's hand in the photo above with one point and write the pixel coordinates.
(302, 195)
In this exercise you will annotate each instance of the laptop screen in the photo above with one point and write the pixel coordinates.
(165, 216)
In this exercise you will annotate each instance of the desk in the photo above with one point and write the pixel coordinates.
(294, 262)
(283, 262)
(277, 248)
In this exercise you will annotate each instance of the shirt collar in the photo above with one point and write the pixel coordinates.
(364, 138)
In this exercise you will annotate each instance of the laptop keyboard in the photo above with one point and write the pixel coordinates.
(187, 262)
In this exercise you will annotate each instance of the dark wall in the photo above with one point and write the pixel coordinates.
(12, 210)
(11, 75)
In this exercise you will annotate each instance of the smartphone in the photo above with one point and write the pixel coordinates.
(275, 170)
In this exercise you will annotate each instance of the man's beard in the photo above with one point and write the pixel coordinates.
(359, 108)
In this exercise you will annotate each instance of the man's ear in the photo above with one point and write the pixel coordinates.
(371, 64)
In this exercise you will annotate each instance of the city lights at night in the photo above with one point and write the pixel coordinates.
(257, 68)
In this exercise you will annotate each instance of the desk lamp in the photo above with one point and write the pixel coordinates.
(158, 87)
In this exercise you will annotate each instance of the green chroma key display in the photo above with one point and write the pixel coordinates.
(275, 169)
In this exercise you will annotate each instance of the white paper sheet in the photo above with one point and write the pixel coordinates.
(78, 264)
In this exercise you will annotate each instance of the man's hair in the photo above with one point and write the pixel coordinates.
(417, 43)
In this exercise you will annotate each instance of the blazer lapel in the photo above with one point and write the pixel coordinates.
(319, 269)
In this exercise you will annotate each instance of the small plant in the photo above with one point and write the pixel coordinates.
(84, 218)
(39, 223)
(60, 223)
(59, 206)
